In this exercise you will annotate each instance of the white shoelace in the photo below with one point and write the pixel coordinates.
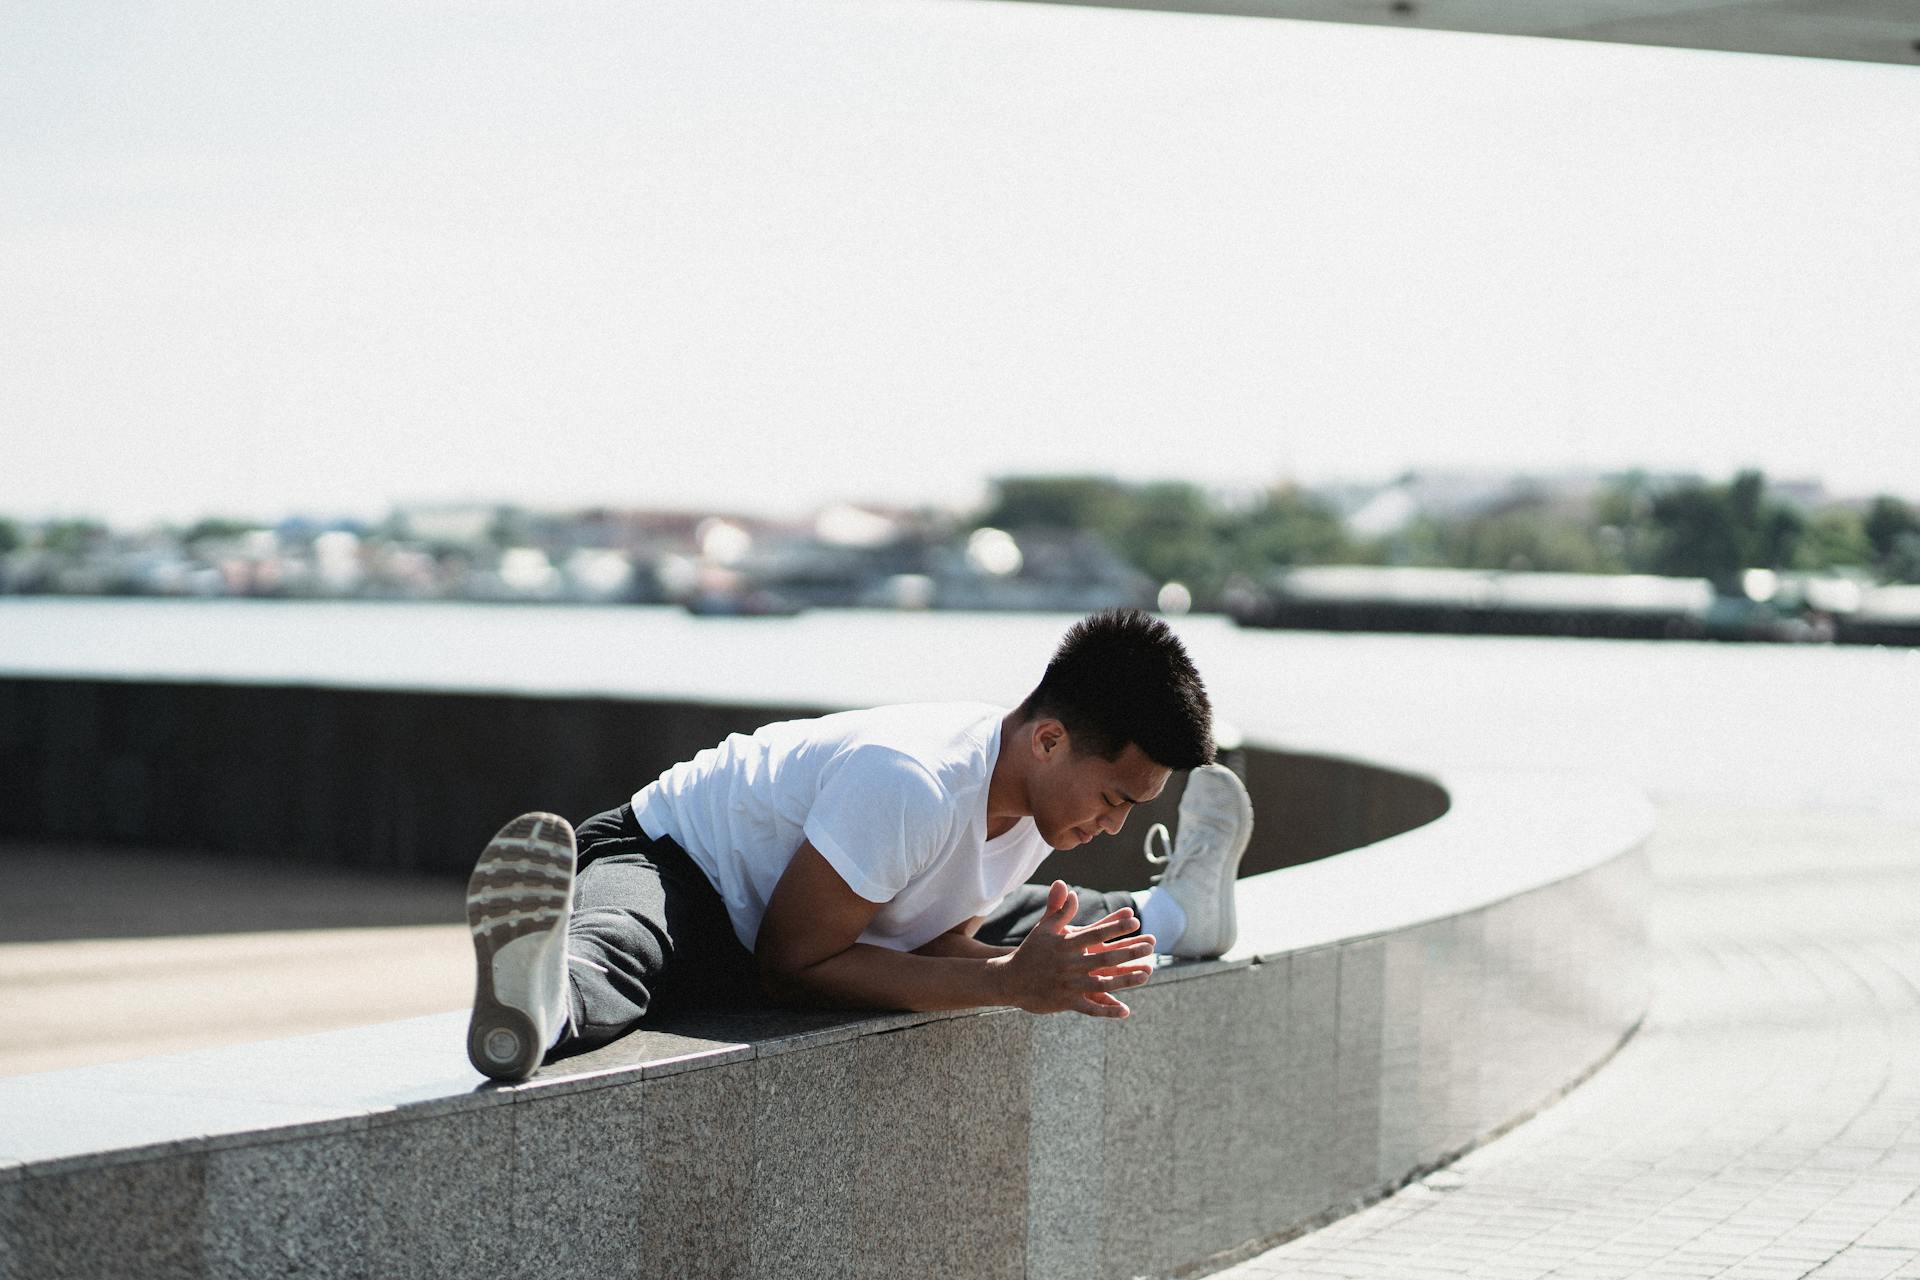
(573, 1028)
(1166, 848)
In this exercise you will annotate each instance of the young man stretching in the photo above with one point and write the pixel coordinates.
(873, 859)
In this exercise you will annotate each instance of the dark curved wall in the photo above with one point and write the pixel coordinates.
(1305, 807)
(370, 778)
(419, 780)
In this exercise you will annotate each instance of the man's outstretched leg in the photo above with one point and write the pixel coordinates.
(567, 962)
(1190, 909)
(649, 933)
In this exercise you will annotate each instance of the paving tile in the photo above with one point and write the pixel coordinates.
(1270, 1144)
(1866, 1264)
(9, 1228)
(901, 1213)
(1143, 1054)
(696, 1191)
(1212, 1203)
(1064, 1158)
(578, 1176)
(141, 1219)
(805, 1120)
(1350, 1148)
(1403, 1120)
(436, 1193)
(288, 1208)
(989, 1117)
(1449, 1043)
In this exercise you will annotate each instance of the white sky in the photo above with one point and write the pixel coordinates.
(765, 253)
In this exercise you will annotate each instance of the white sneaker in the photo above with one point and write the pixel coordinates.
(1216, 819)
(518, 901)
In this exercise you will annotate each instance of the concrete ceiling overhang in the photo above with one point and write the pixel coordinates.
(1855, 30)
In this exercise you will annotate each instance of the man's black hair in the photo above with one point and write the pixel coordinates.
(1122, 676)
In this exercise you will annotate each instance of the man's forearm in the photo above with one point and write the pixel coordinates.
(865, 976)
(963, 945)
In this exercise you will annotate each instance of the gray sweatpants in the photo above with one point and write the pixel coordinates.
(649, 932)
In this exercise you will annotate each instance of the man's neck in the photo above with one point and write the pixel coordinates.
(1007, 788)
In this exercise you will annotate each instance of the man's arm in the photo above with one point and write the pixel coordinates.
(809, 951)
(959, 941)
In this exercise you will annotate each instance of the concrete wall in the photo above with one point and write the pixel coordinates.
(1244, 1101)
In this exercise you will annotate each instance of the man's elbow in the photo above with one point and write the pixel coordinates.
(784, 976)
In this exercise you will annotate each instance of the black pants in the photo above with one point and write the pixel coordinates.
(650, 933)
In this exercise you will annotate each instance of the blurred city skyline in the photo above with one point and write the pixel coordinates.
(766, 257)
(1370, 500)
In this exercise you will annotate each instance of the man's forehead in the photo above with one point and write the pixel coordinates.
(1137, 774)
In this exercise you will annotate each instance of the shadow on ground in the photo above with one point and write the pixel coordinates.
(60, 893)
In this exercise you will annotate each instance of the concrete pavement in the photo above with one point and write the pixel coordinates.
(1763, 1125)
(108, 954)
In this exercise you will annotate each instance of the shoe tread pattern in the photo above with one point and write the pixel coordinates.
(521, 882)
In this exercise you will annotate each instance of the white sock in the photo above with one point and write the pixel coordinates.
(1162, 917)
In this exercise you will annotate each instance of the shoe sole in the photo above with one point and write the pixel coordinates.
(522, 884)
(1229, 882)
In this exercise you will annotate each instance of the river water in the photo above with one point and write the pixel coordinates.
(1793, 726)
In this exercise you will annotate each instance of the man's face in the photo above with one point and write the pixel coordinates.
(1076, 795)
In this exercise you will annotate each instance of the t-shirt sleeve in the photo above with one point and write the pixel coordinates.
(879, 820)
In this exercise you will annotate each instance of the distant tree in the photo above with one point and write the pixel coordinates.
(1892, 530)
(1903, 563)
(1718, 531)
(1623, 512)
(1288, 527)
(1770, 530)
(219, 528)
(1529, 536)
(1173, 531)
(9, 536)
(1170, 532)
(1835, 539)
(1093, 503)
(72, 537)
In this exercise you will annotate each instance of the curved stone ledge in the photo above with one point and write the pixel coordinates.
(1387, 1009)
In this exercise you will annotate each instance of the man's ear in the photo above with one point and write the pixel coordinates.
(1049, 739)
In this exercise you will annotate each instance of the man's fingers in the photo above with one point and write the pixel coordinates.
(1062, 902)
(1119, 913)
(1117, 925)
(1137, 945)
(1118, 980)
(1100, 1005)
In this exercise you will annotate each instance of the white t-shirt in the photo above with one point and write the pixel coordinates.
(895, 799)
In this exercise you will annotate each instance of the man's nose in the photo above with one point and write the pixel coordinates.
(1113, 821)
